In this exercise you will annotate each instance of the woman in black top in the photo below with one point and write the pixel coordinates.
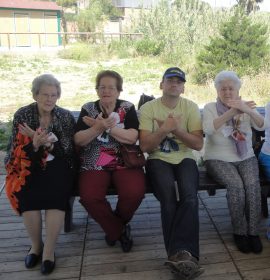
(40, 168)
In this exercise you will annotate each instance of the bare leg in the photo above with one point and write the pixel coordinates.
(33, 224)
(54, 220)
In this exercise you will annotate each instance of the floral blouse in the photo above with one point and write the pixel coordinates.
(102, 153)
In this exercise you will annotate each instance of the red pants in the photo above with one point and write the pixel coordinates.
(130, 187)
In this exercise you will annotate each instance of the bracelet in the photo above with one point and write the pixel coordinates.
(108, 130)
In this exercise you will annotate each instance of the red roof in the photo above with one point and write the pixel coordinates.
(29, 5)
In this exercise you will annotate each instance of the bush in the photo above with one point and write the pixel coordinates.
(147, 46)
(84, 52)
(242, 47)
(5, 132)
(122, 48)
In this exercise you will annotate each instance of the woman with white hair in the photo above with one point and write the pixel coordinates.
(40, 164)
(230, 160)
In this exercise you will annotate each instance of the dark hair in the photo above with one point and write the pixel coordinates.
(112, 74)
(45, 79)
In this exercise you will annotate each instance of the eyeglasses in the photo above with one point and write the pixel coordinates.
(49, 96)
(103, 88)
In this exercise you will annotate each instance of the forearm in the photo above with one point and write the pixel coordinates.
(84, 137)
(193, 141)
(257, 118)
(126, 136)
(151, 141)
(221, 120)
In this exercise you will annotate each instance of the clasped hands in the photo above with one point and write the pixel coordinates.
(171, 124)
(40, 137)
(101, 124)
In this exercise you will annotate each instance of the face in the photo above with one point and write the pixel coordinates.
(46, 98)
(107, 90)
(172, 86)
(227, 91)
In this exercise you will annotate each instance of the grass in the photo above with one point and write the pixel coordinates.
(141, 75)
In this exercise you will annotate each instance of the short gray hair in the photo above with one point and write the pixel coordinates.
(45, 79)
(227, 75)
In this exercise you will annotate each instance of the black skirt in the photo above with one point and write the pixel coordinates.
(48, 188)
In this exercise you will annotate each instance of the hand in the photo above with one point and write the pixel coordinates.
(104, 123)
(241, 106)
(25, 130)
(89, 121)
(41, 138)
(171, 123)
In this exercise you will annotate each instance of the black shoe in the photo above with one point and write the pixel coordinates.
(255, 244)
(32, 260)
(47, 267)
(242, 243)
(126, 239)
(109, 242)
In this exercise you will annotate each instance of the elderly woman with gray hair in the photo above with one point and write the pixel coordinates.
(230, 159)
(40, 164)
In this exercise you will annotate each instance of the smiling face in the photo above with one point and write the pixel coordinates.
(172, 86)
(46, 98)
(227, 90)
(107, 90)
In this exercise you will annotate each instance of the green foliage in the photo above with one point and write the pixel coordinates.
(66, 3)
(5, 132)
(249, 5)
(84, 52)
(121, 48)
(178, 31)
(241, 46)
(97, 12)
(147, 46)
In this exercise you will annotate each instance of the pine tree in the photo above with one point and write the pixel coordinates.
(241, 46)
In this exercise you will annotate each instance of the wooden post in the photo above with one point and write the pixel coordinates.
(39, 41)
(8, 38)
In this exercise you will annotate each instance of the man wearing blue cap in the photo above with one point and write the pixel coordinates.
(170, 128)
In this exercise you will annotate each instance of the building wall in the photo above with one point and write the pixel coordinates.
(19, 20)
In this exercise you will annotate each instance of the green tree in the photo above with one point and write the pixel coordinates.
(249, 5)
(241, 46)
(97, 12)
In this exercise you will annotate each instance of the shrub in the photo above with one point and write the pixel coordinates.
(121, 48)
(5, 132)
(84, 52)
(147, 46)
(241, 46)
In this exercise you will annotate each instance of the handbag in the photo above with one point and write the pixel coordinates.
(132, 156)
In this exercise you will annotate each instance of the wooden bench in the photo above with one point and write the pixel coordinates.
(205, 182)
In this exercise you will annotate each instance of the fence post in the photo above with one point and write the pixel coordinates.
(39, 41)
(8, 38)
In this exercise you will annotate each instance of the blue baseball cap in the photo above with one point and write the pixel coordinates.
(175, 72)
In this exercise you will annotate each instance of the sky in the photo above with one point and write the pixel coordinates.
(264, 6)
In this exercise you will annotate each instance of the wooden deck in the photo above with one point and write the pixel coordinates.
(83, 254)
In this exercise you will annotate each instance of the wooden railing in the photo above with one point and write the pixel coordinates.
(65, 37)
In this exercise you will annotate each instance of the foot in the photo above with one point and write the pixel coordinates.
(126, 239)
(32, 259)
(255, 244)
(184, 265)
(47, 266)
(242, 243)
